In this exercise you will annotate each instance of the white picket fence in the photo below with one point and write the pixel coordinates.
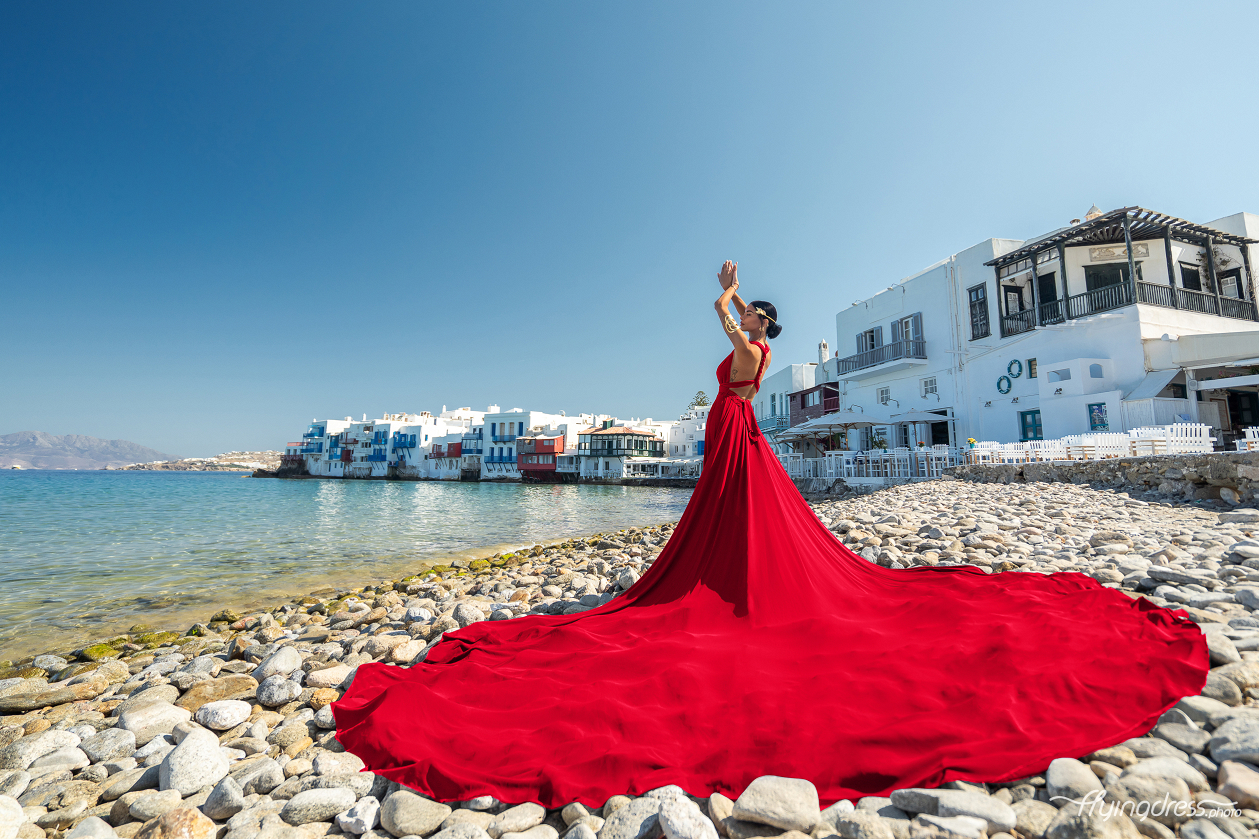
(1174, 438)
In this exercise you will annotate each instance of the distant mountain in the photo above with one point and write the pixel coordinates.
(37, 450)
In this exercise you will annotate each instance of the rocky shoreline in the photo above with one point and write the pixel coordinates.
(224, 731)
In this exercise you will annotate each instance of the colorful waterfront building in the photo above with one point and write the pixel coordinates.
(444, 460)
(617, 450)
(503, 428)
(537, 457)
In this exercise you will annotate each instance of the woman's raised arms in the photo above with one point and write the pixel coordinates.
(729, 278)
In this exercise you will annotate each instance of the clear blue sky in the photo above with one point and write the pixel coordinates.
(220, 219)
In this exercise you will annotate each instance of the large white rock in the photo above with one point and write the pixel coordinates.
(330, 763)
(516, 819)
(11, 817)
(225, 800)
(22, 753)
(927, 826)
(638, 819)
(998, 815)
(538, 831)
(152, 720)
(465, 830)
(405, 814)
(93, 827)
(283, 661)
(789, 803)
(1067, 779)
(223, 714)
(67, 759)
(362, 817)
(1169, 767)
(329, 677)
(681, 818)
(110, 744)
(317, 805)
(195, 763)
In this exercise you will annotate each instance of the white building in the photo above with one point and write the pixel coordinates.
(686, 438)
(615, 449)
(1011, 340)
(411, 440)
(501, 428)
(444, 459)
(321, 443)
(391, 446)
(771, 402)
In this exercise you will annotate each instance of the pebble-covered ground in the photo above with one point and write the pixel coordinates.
(224, 732)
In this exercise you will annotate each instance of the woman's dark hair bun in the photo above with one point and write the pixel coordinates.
(772, 330)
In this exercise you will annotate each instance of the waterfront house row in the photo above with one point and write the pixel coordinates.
(1119, 320)
(497, 445)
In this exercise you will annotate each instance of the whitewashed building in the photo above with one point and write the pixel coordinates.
(1011, 340)
(444, 459)
(619, 449)
(411, 442)
(686, 438)
(321, 443)
(502, 428)
(771, 402)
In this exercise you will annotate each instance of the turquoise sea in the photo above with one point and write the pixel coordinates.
(87, 554)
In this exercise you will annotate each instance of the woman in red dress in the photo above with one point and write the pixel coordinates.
(757, 644)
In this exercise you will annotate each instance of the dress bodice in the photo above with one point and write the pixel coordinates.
(723, 371)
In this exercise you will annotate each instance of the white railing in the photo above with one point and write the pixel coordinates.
(1174, 438)
(874, 467)
(1249, 443)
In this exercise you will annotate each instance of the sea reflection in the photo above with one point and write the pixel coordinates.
(86, 553)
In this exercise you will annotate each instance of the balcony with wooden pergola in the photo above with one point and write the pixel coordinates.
(1030, 295)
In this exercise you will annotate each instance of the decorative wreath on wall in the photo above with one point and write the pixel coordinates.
(1004, 384)
(1015, 368)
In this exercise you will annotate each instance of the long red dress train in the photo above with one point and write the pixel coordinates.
(757, 644)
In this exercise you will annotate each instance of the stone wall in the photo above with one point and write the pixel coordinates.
(1232, 477)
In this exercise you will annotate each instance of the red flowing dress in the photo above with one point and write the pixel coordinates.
(757, 644)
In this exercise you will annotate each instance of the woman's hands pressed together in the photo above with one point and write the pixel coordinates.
(729, 275)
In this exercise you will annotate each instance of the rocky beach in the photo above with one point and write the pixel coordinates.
(223, 730)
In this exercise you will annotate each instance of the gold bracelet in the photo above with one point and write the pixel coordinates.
(730, 324)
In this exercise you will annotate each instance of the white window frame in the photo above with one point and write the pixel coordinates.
(884, 395)
(925, 390)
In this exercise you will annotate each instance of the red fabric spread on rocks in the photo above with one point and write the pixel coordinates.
(757, 644)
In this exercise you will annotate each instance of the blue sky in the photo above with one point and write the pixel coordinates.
(218, 220)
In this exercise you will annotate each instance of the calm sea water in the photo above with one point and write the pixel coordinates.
(86, 554)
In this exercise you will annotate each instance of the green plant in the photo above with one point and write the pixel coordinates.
(878, 441)
(700, 400)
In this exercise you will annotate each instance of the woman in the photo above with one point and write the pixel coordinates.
(757, 644)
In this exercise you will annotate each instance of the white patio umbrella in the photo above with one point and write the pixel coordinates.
(916, 417)
(842, 421)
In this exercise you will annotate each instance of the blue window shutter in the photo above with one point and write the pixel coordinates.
(878, 336)
(917, 326)
(896, 331)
